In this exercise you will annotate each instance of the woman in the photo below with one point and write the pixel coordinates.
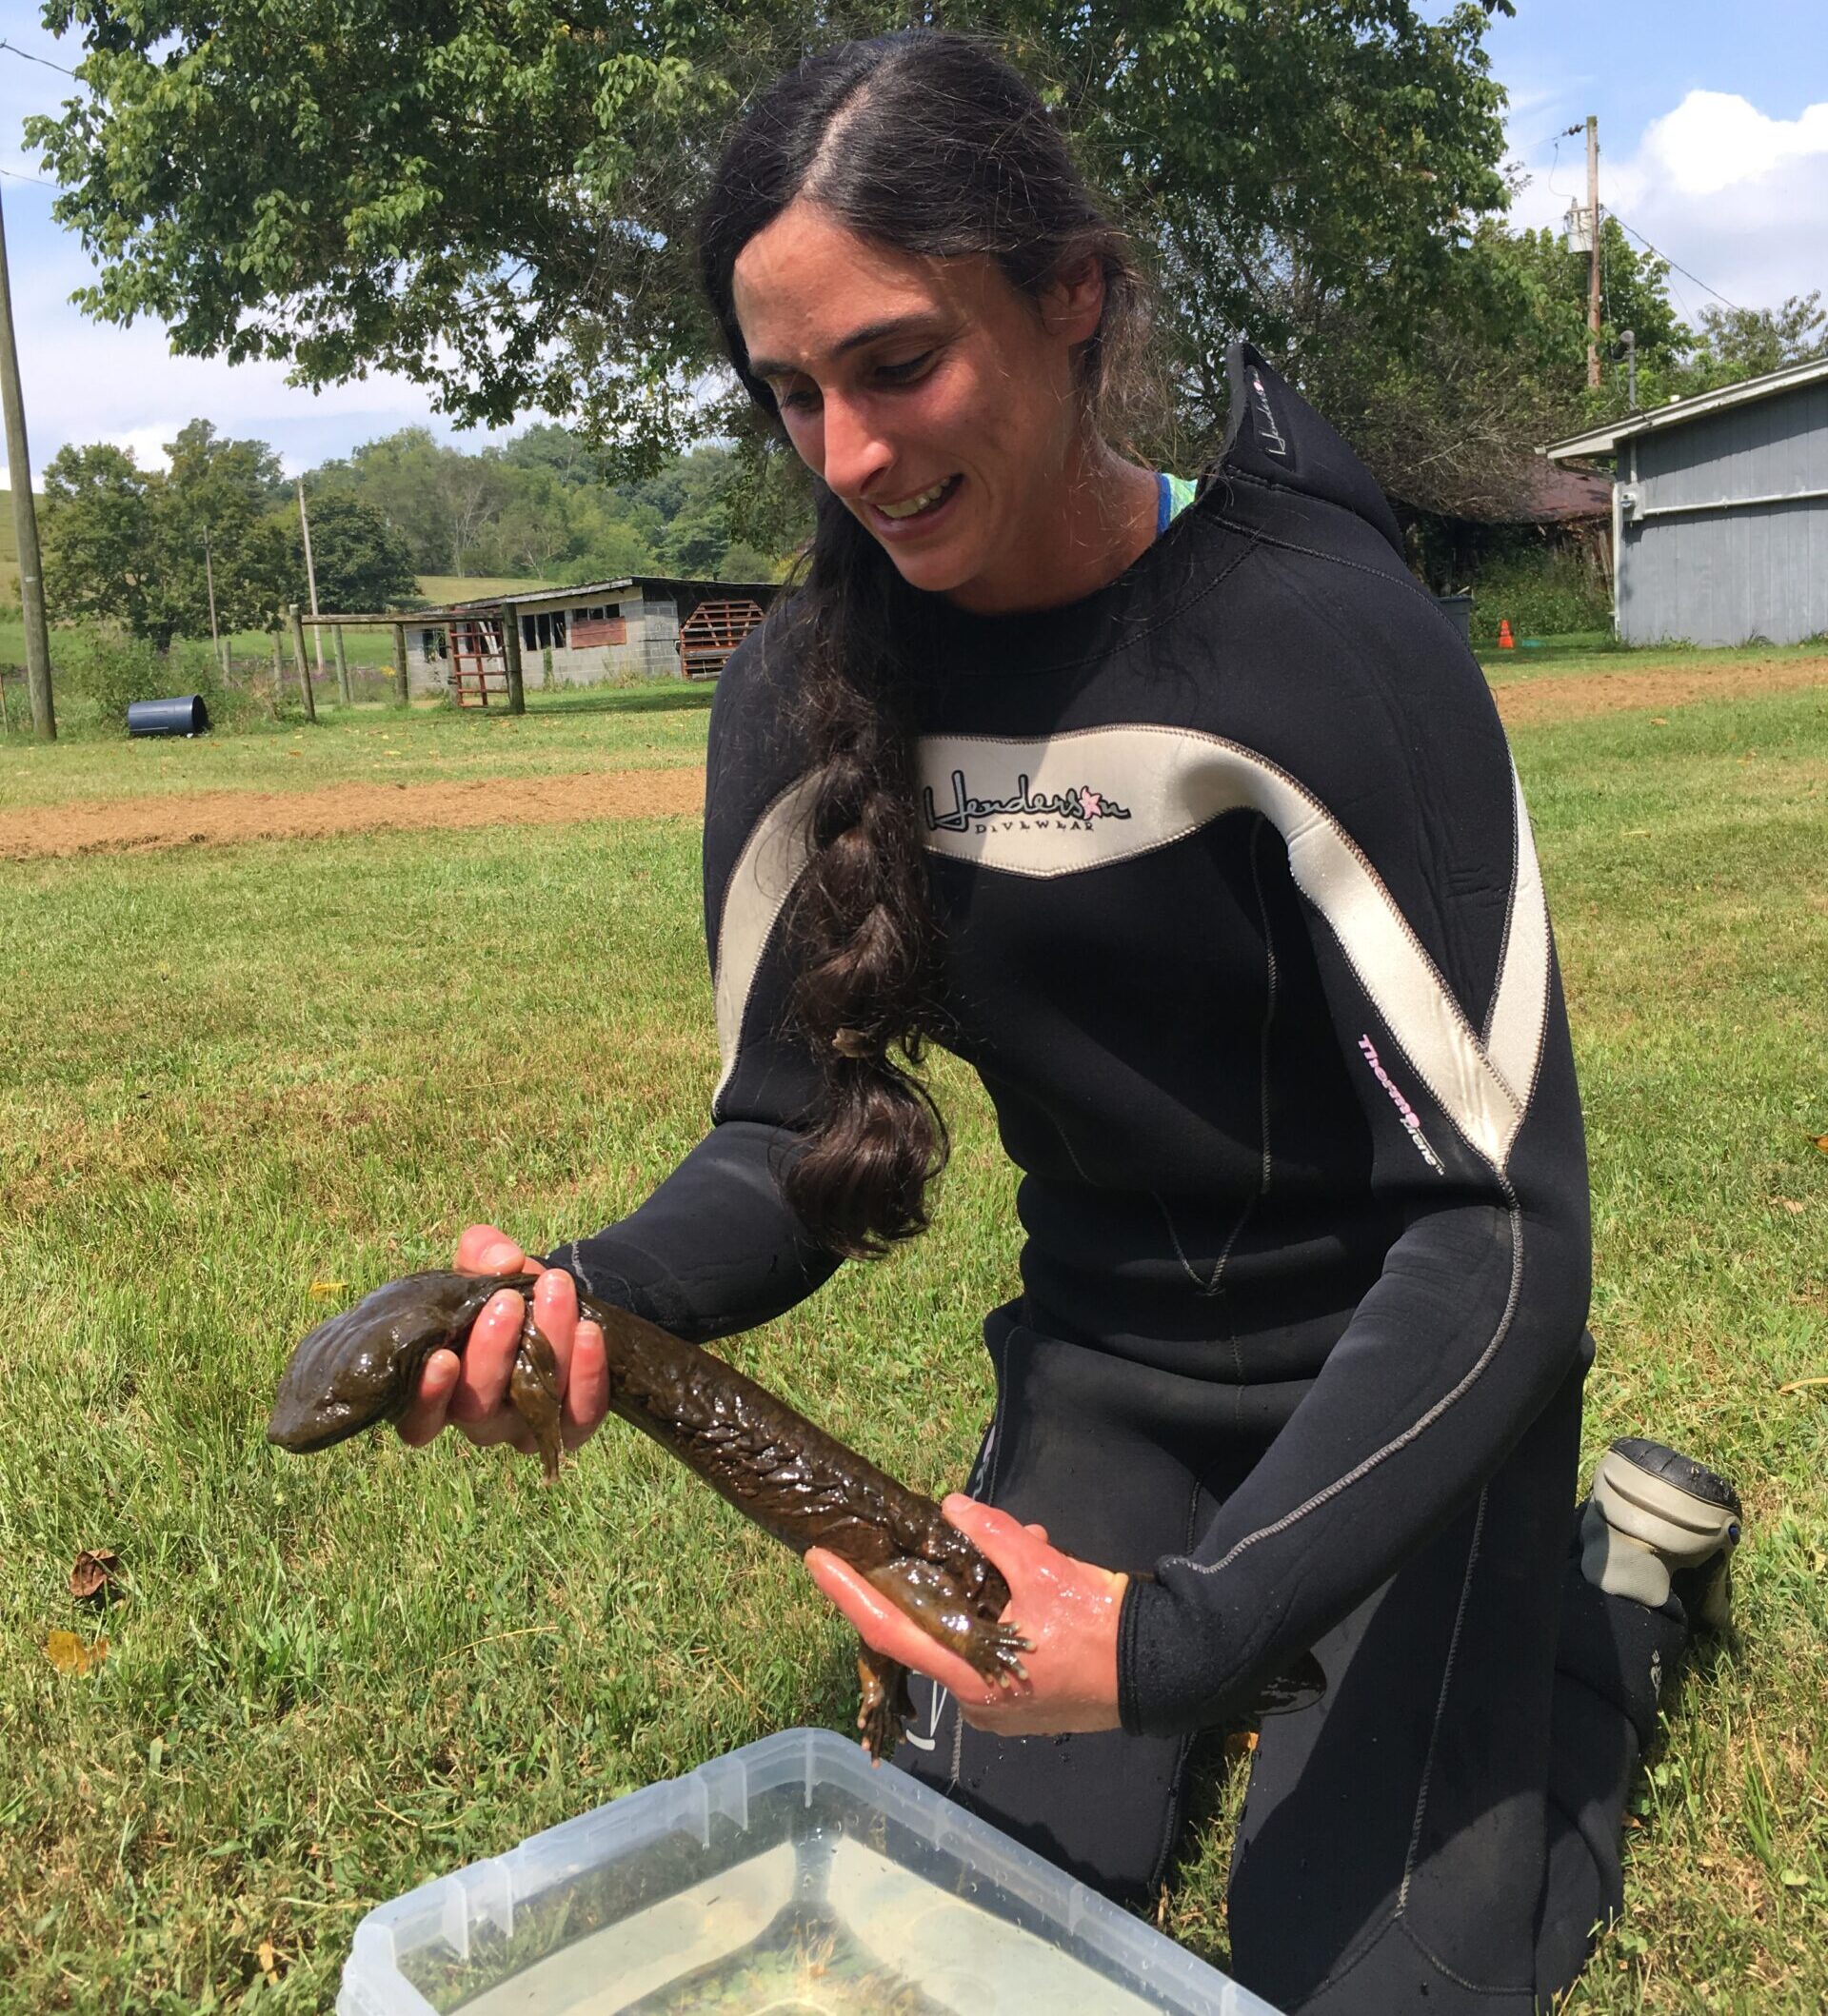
(1201, 842)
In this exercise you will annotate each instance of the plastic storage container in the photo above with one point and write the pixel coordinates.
(786, 1879)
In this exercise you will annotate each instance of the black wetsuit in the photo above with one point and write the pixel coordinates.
(1243, 934)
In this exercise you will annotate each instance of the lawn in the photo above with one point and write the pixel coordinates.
(242, 1083)
(658, 723)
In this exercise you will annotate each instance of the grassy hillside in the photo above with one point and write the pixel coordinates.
(472, 588)
(9, 550)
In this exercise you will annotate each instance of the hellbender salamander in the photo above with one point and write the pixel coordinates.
(791, 1478)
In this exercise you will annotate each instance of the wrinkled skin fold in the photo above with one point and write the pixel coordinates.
(794, 1480)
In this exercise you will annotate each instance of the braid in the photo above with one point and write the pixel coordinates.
(861, 924)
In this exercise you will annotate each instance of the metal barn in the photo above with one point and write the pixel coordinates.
(1720, 512)
(648, 626)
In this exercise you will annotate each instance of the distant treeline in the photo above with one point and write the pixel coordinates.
(541, 505)
(215, 540)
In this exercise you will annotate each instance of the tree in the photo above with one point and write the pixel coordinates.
(444, 502)
(498, 201)
(127, 544)
(98, 536)
(223, 491)
(362, 562)
(1734, 344)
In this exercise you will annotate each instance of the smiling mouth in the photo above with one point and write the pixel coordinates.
(927, 501)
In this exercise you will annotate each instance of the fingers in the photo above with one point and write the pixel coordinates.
(488, 1357)
(486, 1249)
(1004, 1541)
(426, 1413)
(885, 1630)
(555, 1312)
(586, 1393)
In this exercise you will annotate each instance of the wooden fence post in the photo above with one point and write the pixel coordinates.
(401, 690)
(511, 657)
(345, 692)
(298, 659)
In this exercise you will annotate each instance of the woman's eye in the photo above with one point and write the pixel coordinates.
(798, 399)
(906, 371)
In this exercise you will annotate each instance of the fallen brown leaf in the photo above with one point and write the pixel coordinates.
(1790, 1205)
(268, 1960)
(69, 1654)
(1822, 1142)
(1798, 1385)
(91, 1579)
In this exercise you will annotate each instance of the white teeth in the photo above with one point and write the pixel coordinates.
(916, 504)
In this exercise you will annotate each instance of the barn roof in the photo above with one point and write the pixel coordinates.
(1602, 441)
(762, 591)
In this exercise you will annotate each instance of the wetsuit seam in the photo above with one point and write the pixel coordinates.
(1210, 1289)
(1459, 1981)
(1396, 1443)
(1177, 1776)
(1441, 1707)
(1396, 579)
(1510, 922)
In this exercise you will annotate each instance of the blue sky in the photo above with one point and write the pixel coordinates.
(1713, 145)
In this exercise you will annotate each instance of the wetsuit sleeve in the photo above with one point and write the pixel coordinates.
(1410, 847)
(716, 1249)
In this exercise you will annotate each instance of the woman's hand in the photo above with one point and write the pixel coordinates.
(470, 1392)
(1067, 1608)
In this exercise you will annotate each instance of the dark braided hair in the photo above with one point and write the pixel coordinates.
(928, 143)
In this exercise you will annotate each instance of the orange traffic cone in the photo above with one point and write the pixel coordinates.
(1505, 640)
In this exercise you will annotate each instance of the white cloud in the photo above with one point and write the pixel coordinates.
(1740, 199)
(1715, 140)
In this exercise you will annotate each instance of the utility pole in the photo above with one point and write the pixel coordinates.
(310, 572)
(298, 659)
(25, 518)
(1593, 256)
(210, 582)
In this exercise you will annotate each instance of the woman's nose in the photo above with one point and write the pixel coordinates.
(855, 451)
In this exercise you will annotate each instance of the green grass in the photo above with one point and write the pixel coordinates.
(655, 726)
(233, 1072)
(1594, 651)
(9, 559)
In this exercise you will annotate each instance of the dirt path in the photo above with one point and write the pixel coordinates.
(140, 822)
(1547, 699)
(41, 831)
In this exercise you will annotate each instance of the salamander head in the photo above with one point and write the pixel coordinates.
(360, 1367)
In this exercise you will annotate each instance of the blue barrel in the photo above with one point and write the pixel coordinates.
(1458, 609)
(186, 715)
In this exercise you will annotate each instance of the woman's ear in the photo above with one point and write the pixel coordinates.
(1072, 305)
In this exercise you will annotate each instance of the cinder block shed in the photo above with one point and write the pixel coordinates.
(1720, 512)
(600, 630)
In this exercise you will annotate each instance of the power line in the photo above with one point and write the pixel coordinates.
(1669, 262)
(13, 48)
(18, 177)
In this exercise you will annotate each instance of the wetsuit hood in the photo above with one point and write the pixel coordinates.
(1273, 436)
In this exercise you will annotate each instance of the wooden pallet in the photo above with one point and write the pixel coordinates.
(711, 632)
(478, 663)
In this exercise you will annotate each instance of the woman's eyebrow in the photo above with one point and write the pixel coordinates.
(871, 333)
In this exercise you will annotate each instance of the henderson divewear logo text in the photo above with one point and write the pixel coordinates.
(1079, 806)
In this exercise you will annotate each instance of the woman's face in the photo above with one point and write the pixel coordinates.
(937, 402)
